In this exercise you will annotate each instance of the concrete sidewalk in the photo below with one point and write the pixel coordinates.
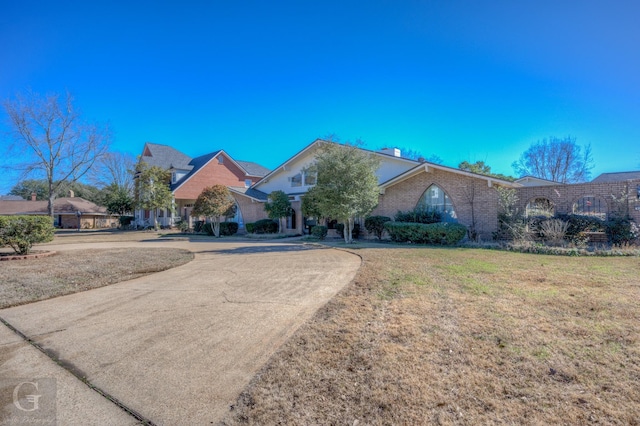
(178, 346)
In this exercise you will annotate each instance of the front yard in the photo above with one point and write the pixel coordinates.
(462, 336)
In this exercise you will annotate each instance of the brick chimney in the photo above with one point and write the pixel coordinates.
(33, 196)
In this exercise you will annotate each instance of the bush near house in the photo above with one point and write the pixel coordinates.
(423, 233)
(375, 225)
(265, 226)
(319, 231)
(250, 227)
(228, 228)
(21, 232)
(622, 230)
(355, 232)
(125, 221)
(419, 216)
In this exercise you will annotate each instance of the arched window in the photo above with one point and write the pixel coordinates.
(591, 206)
(434, 198)
(540, 207)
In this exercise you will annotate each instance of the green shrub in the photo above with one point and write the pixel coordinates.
(622, 230)
(21, 232)
(355, 232)
(266, 226)
(319, 231)
(419, 216)
(125, 220)
(375, 225)
(183, 226)
(198, 226)
(422, 233)
(250, 227)
(228, 228)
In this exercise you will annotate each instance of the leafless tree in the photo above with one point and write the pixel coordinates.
(52, 141)
(559, 160)
(114, 168)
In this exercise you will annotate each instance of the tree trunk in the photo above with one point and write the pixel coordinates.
(215, 223)
(348, 229)
(52, 197)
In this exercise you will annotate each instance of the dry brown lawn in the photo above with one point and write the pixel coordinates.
(462, 336)
(25, 281)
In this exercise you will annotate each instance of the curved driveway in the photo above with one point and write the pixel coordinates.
(178, 346)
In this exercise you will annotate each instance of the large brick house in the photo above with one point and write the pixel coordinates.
(468, 198)
(189, 176)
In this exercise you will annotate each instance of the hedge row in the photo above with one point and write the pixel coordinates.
(226, 228)
(263, 226)
(421, 233)
(22, 232)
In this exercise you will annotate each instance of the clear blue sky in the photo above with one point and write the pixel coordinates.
(463, 80)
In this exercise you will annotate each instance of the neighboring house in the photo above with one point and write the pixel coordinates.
(536, 181)
(189, 176)
(68, 212)
(617, 177)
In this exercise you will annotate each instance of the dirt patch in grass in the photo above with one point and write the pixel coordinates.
(25, 281)
(462, 336)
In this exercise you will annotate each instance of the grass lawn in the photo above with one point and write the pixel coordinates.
(25, 281)
(462, 336)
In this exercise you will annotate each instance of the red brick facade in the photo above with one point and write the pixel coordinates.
(215, 172)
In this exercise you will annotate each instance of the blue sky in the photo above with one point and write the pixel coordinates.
(463, 80)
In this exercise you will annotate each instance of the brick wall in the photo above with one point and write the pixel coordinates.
(564, 197)
(472, 198)
(251, 210)
(88, 222)
(213, 173)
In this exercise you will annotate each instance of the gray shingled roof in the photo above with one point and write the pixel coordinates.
(250, 192)
(253, 169)
(616, 177)
(195, 165)
(166, 157)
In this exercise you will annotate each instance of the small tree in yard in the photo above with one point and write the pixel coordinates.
(347, 185)
(151, 189)
(21, 232)
(214, 202)
(278, 207)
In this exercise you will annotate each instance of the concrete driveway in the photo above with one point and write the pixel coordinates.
(176, 347)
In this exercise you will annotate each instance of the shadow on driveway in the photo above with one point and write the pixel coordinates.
(272, 248)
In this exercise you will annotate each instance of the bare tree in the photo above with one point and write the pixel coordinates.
(52, 141)
(559, 160)
(114, 168)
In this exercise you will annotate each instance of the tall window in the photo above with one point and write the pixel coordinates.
(591, 206)
(435, 199)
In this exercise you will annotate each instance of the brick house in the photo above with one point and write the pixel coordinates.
(189, 176)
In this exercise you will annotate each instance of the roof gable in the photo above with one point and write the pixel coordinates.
(165, 157)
